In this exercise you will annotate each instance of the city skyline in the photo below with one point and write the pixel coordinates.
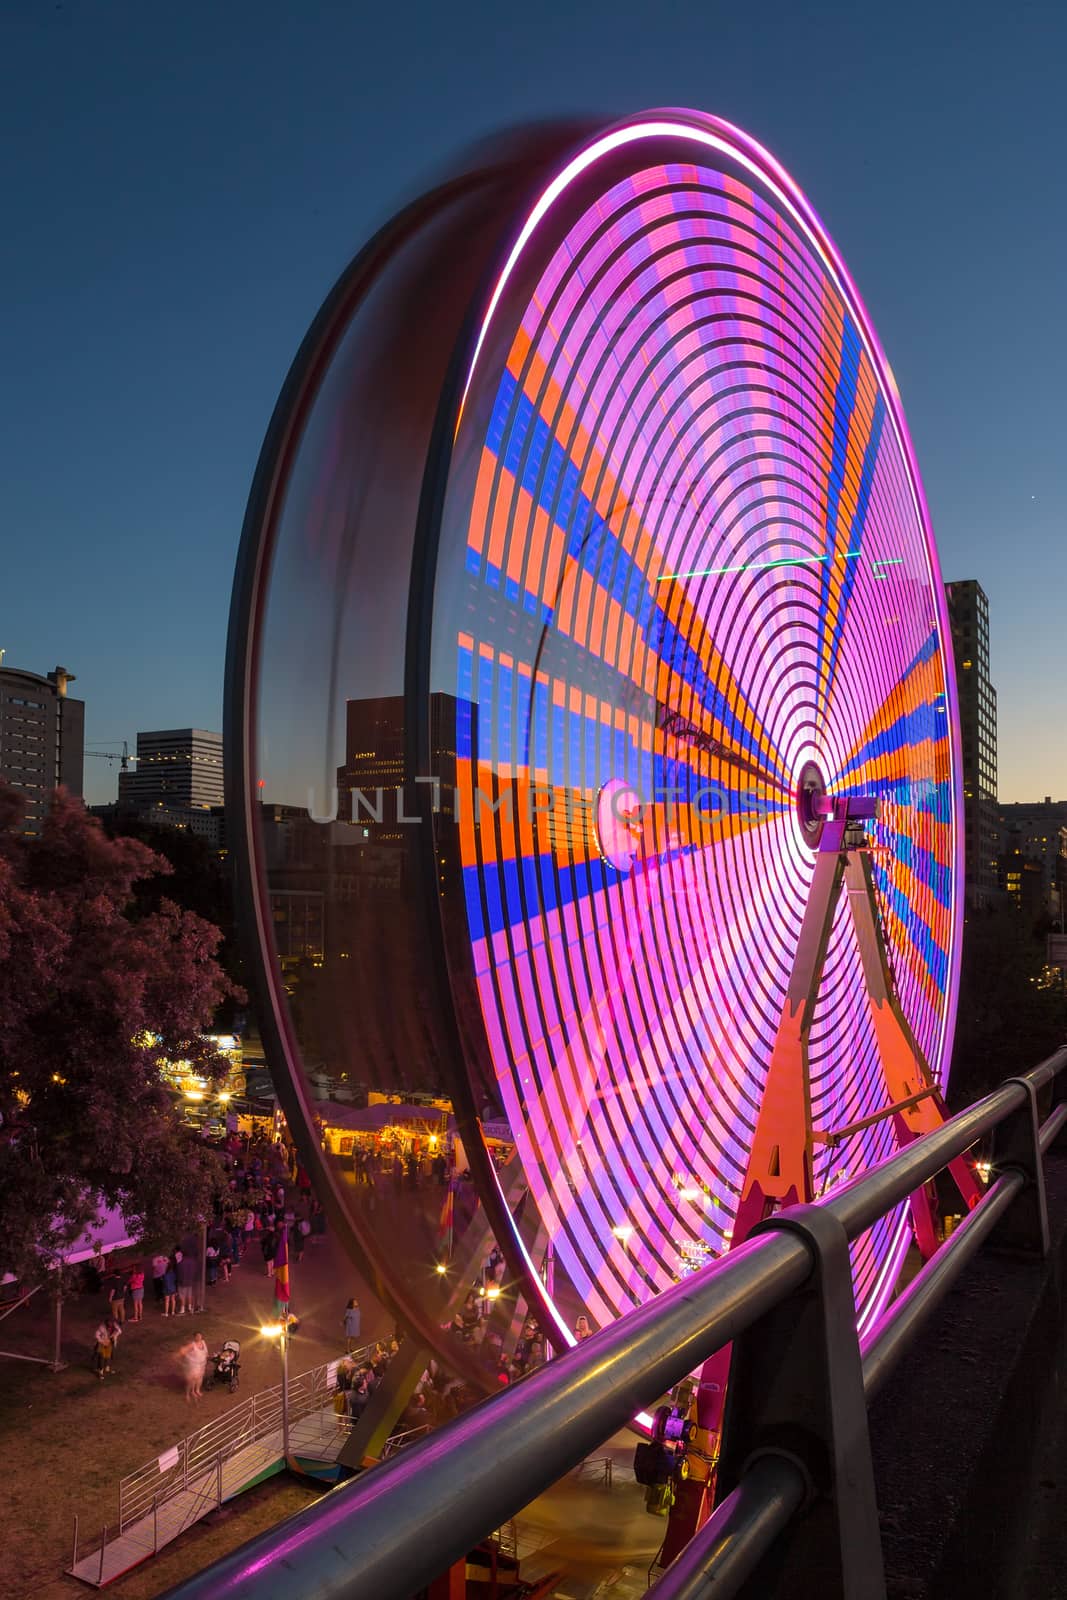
(171, 235)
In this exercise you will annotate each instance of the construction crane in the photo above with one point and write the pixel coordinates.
(125, 758)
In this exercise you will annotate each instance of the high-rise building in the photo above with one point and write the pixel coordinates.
(42, 737)
(177, 768)
(1022, 880)
(969, 613)
(1036, 831)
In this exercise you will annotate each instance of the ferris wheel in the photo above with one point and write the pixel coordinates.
(590, 506)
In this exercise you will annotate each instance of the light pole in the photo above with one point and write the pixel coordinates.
(280, 1331)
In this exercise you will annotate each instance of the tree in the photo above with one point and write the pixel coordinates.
(95, 992)
(195, 877)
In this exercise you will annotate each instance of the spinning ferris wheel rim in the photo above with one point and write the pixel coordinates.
(709, 133)
(576, 165)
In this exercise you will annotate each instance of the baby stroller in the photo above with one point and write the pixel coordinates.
(227, 1367)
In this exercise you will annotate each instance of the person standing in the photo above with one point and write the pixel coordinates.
(170, 1289)
(219, 1241)
(103, 1349)
(114, 1329)
(300, 1235)
(187, 1274)
(193, 1357)
(116, 1296)
(352, 1321)
(159, 1273)
(269, 1247)
(95, 1272)
(135, 1284)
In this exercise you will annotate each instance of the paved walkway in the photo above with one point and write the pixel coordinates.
(593, 1528)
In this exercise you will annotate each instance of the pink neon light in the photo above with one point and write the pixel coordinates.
(574, 955)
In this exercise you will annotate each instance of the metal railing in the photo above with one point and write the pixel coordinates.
(795, 1435)
(253, 1419)
(197, 1460)
(401, 1441)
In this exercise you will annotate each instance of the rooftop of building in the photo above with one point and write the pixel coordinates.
(58, 678)
(178, 733)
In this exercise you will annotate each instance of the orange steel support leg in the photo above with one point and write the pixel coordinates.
(451, 1585)
(903, 1064)
(779, 1171)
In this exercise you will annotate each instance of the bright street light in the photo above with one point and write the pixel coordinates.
(280, 1331)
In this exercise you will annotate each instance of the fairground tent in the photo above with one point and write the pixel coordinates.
(107, 1233)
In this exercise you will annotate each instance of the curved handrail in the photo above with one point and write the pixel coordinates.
(474, 1473)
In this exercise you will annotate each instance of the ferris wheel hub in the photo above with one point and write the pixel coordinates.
(814, 805)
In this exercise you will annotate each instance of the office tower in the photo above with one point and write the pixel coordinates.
(1036, 832)
(42, 737)
(969, 614)
(177, 768)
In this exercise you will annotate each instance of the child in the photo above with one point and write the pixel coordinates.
(104, 1346)
(136, 1287)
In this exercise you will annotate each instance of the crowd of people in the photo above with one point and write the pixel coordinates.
(408, 1164)
(473, 1325)
(268, 1197)
(437, 1397)
(255, 1210)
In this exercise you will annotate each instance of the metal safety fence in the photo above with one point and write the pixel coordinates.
(196, 1462)
(795, 1438)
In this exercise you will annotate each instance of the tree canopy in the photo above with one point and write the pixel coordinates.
(95, 991)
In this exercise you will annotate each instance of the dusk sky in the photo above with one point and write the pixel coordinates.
(181, 186)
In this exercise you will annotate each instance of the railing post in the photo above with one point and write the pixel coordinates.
(74, 1563)
(796, 1390)
(218, 1470)
(103, 1547)
(1023, 1229)
(155, 1524)
(1058, 1086)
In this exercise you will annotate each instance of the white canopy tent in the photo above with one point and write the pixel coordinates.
(108, 1232)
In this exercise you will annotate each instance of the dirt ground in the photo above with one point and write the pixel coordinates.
(69, 1438)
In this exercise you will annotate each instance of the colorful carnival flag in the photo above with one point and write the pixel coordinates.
(446, 1220)
(281, 1266)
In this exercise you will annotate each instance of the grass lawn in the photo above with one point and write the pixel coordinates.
(69, 1438)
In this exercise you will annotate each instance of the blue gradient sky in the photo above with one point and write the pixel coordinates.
(182, 184)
